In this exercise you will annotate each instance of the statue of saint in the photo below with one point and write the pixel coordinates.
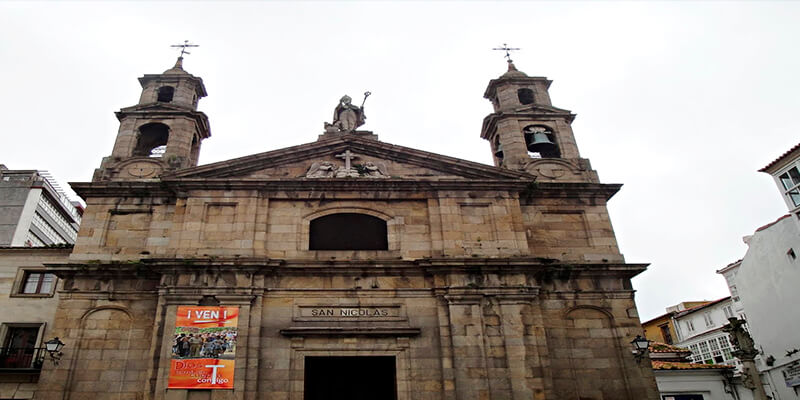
(347, 117)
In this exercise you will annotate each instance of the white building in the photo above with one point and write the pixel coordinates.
(766, 282)
(700, 330)
(729, 272)
(34, 212)
(680, 379)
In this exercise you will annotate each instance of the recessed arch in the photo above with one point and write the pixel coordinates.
(151, 140)
(393, 225)
(348, 231)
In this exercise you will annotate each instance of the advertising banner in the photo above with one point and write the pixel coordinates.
(203, 348)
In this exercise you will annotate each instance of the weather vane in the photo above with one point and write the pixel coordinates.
(508, 51)
(184, 46)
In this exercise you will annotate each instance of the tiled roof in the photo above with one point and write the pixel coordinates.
(669, 314)
(658, 347)
(700, 307)
(669, 365)
(797, 146)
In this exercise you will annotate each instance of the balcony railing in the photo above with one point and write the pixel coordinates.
(22, 357)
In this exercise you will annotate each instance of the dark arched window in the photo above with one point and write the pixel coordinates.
(165, 93)
(525, 96)
(348, 231)
(152, 140)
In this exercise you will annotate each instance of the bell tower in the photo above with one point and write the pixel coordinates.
(161, 133)
(527, 133)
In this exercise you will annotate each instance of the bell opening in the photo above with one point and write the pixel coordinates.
(540, 142)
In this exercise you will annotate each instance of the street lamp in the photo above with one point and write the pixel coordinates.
(53, 347)
(640, 347)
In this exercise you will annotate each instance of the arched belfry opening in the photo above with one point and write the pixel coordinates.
(151, 140)
(540, 142)
(348, 231)
(498, 149)
(525, 96)
(166, 93)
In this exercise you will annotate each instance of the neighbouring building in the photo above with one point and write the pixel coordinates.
(729, 273)
(679, 378)
(342, 268)
(34, 211)
(700, 330)
(661, 329)
(766, 280)
(27, 314)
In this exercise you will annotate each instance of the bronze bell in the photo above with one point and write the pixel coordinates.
(541, 144)
(499, 152)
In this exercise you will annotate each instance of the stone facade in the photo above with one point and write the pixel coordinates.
(29, 310)
(497, 282)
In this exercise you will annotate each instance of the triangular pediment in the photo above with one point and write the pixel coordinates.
(369, 159)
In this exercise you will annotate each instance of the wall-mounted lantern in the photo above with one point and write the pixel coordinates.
(640, 347)
(53, 347)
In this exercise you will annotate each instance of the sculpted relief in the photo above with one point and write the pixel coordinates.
(328, 169)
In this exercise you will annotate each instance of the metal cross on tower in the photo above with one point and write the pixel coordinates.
(508, 51)
(184, 46)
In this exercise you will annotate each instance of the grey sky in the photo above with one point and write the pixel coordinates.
(680, 101)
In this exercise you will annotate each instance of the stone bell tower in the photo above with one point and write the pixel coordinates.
(528, 134)
(163, 132)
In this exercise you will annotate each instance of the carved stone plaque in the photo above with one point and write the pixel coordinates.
(392, 312)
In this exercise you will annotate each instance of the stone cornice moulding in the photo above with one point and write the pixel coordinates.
(354, 331)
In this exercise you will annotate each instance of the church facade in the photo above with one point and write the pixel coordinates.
(346, 267)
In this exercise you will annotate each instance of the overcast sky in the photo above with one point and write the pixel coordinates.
(682, 102)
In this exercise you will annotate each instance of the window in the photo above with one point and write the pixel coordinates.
(790, 180)
(19, 346)
(348, 231)
(689, 325)
(33, 282)
(728, 311)
(792, 256)
(725, 345)
(705, 354)
(37, 283)
(165, 93)
(525, 96)
(665, 333)
(707, 318)
(734, 292)
(152, 140)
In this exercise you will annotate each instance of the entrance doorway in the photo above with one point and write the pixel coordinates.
(350, 378)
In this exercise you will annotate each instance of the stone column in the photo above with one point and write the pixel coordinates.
(469, 353)
(521, 356)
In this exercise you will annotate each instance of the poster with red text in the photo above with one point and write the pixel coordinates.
(203, 348)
